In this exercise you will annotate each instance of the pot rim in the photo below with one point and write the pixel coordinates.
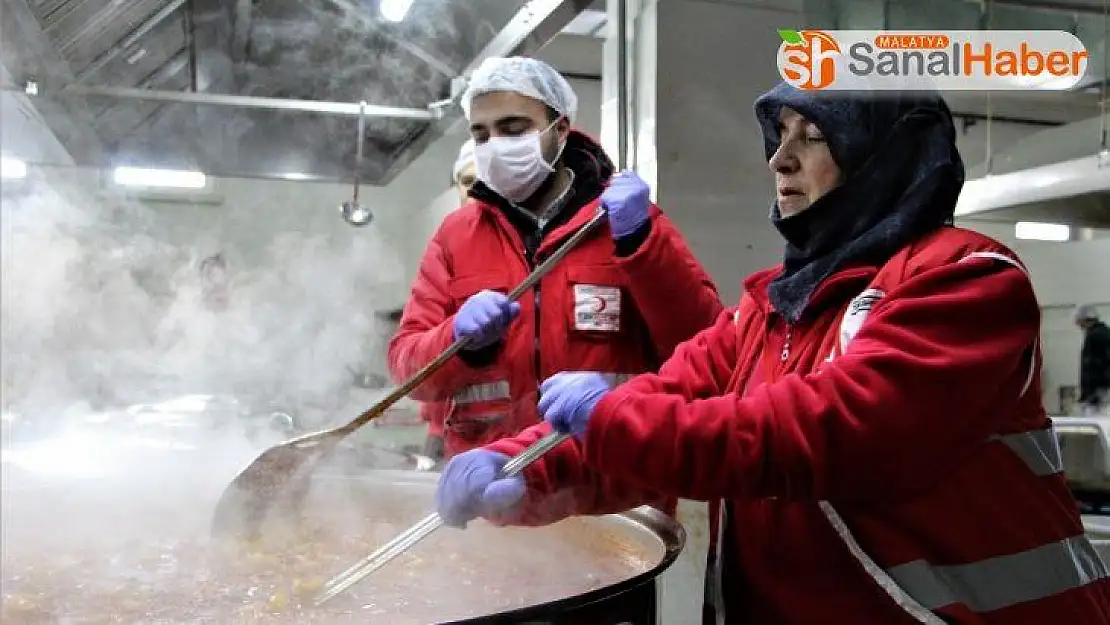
(667, 530)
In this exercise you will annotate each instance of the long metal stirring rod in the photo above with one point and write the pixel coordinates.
(432, 522)
(429, 524)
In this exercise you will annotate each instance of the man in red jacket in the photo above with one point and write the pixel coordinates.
(618, 304)
(867, 421)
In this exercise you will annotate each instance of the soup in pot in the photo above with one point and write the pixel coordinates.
(134, 555)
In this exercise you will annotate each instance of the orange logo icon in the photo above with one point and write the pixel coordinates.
(807, 58)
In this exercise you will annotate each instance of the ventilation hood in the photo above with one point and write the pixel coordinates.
(1056, 175)
(259, 89)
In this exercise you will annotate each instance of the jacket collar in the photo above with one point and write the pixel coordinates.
(842, 284)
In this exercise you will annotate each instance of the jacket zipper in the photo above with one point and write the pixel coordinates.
(531, 248)
(786, 342)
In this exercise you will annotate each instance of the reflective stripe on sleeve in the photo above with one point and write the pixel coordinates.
(1003, 581)
(1038, 449)
(992, 583)
(483, 392)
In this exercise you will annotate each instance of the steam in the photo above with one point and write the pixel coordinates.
(101, 307)
(334, 50)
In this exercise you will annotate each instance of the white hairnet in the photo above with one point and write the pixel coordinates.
(1086, 311)
(466, 157)
(528, 77)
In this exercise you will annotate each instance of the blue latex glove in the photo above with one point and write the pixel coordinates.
(568, 399)
(626, 199)
(469, 489)
(484, 317)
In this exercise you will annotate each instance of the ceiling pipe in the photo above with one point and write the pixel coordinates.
(236, 101)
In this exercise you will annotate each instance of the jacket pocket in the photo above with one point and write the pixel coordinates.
(597, 302)
(463, 287)
(481, 418)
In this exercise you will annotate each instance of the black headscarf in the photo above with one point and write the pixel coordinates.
(901, 173)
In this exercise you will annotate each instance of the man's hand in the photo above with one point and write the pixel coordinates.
(484, 318)
(626, 199)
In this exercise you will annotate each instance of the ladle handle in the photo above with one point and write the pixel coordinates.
(435, 365)
(534, 452)
(358, 152)
(429, 524)
(545, 267)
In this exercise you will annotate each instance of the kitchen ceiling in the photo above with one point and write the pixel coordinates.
(336, 51)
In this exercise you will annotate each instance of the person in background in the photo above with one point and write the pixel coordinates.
(1094, 359)
(463, 177)
(619, 303)
(867, 424)
(464, 174)
(214, 283)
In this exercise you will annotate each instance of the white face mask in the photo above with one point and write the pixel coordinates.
(513, 167)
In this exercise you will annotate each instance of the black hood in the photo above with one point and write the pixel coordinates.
(592, 171)
(902, 177)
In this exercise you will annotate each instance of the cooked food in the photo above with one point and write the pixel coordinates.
(111, 556)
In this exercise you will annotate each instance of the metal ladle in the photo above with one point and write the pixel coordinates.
(354, 213)
(278, 478)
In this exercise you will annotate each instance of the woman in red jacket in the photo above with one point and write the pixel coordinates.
(867, 421)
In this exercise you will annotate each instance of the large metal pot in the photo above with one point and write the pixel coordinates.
(1085, 452)
(1097, 528)
(643, 535)
(160, 495)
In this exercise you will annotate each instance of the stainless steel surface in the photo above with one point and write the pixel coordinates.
(1097, 526)
(283, 76)
(1102, 548)
(132, 38)
(1085, 451)
(429, 524)
(535, 24)
(401, 42)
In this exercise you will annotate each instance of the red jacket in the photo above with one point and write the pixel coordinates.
(597, 310)
(895, 470)
(434, 414)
